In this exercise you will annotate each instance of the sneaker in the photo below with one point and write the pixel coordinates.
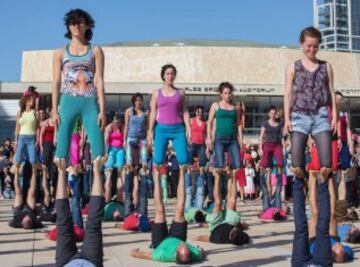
(144, 224)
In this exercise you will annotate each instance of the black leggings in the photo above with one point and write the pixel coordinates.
(298, 144)
(92, 249)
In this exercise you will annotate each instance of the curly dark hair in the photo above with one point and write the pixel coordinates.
(74, 16)
(22, 103)
(133, 100)
(164, 68)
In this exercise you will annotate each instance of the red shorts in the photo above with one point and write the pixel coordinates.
(272, 150)
(240, 177)
(314, 165)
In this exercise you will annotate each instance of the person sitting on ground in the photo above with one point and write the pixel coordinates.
(24, 213)
(170, 246)
(347, 231)
(8, 189)
(92, 249)
(225, 226)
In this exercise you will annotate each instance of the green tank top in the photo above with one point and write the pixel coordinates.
(225, 122)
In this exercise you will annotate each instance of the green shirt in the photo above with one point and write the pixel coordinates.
(166, 251)
(110, 208)
(190, 214)
(225, 122)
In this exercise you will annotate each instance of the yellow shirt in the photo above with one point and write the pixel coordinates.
(27, 123)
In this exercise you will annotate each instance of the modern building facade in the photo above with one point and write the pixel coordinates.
(339, 23)
(257, 71)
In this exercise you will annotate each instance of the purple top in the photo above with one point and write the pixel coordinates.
(169, 108)
(310, 89)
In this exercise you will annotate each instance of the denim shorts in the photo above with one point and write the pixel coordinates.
(26, 148)
(116, 158)
(312, 123)
(229, 144)
(199, 151)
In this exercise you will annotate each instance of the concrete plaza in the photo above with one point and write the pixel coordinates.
(271, 243)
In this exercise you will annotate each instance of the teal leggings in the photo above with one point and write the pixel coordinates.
(85, 108)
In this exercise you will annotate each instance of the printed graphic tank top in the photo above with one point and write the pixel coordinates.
(78, 73)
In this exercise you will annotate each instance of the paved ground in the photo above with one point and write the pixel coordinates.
(271, 244)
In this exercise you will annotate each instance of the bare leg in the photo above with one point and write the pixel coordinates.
(342, 185)
(30, 200)
(217, 191)
(18, 192)
(313, 202)
(108, 185)
(180, 205)
(333, 223)
(46, 186)
(136, 190)
(120, 187)
(159, 205)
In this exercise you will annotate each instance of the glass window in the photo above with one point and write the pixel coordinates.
(125, 102)
(355, 105)
(193, 101)
(261, 104)
(209, 100)
(277, 101)
(112, 103)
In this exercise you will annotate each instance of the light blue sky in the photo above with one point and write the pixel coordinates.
(38, 24)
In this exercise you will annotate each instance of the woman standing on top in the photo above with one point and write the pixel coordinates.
(224, 117)
(308, 96)
(81, 67)
(135, 137)
(169, 111)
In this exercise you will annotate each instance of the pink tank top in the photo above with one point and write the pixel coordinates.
(116, 139)
(169, 108)
(198, 132)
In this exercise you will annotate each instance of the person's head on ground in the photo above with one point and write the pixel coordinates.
(341, 211)
(27, 223)
(79, 24)
(238, 237)
(352, 215)
(338, 253)
(226, 91)
(310, 39)
(168, 74)
(116, 215)
(183, 255)
(199, 217)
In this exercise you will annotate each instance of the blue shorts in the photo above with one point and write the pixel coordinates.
(344, 156)
(311, 123)
(199, 151)
(165, 133)
(116, 158)
(26, 149)
(223, 144)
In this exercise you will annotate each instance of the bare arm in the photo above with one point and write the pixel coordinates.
(261, 140)
(17, 128)
(137, 253)
(106, 135)
(42, 130)
(57, 65)
(186, 115)
(289, 76)
(239, 124)
(210, 124)
(99, 83)
(126, 127)
(152, 117)
(333, 98)
(202, 238)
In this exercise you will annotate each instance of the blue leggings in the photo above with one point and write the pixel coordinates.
(164, 134)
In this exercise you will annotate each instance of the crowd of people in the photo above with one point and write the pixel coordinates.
(76, 161)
